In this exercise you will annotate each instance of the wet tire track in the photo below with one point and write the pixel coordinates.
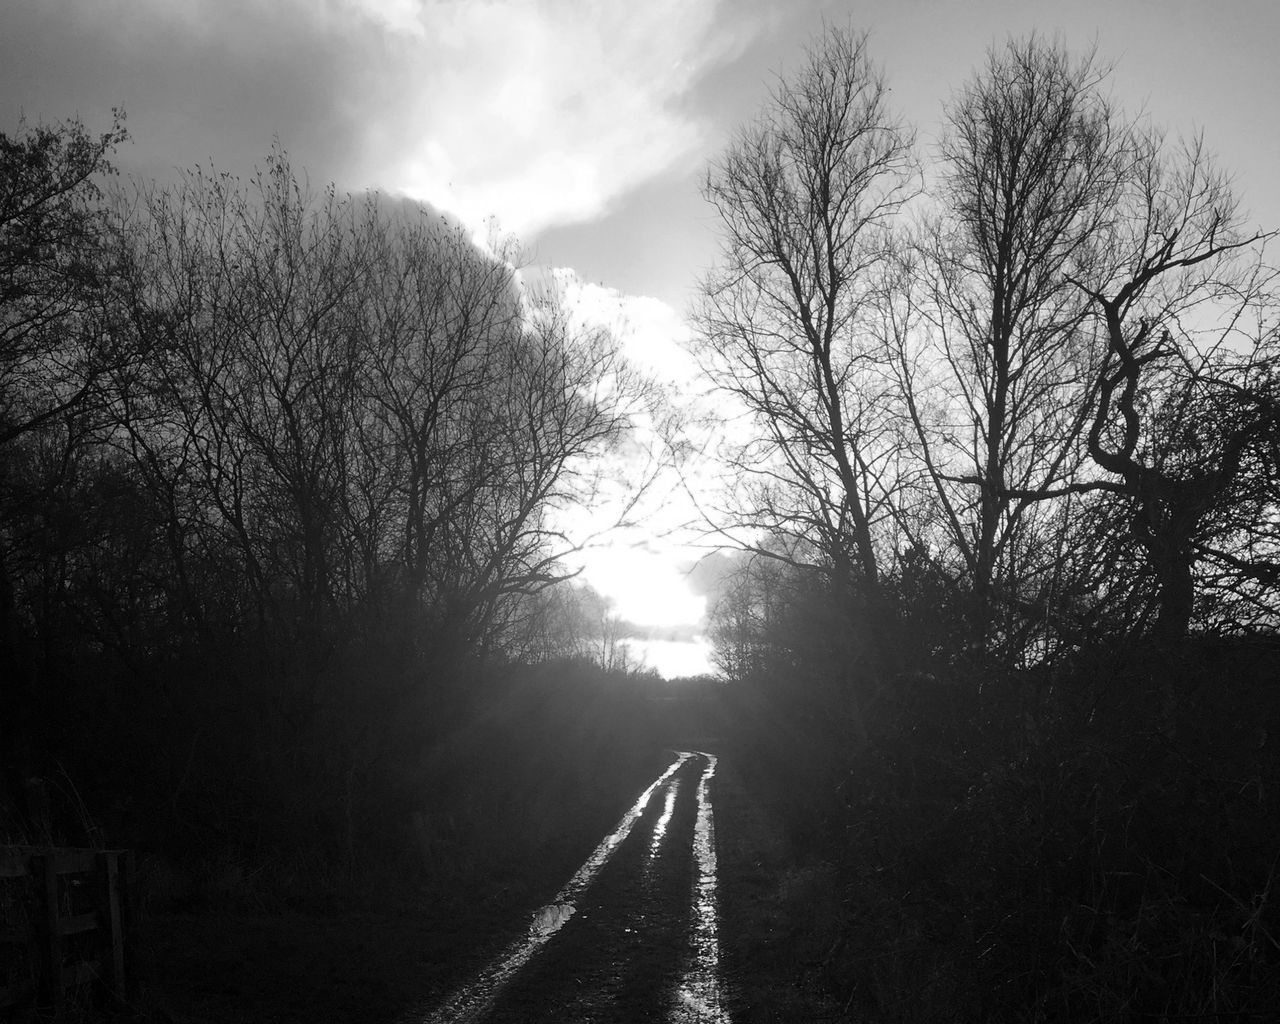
(615, 961)
(634, 944)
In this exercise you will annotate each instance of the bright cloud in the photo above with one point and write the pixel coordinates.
(652, 334)
(538, 113)
(404, 17)
(533, 112)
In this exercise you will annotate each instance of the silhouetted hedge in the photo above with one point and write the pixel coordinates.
(1095, 843)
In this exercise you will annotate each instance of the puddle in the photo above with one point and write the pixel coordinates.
(660, 827)
(698, 997)
(472, 1001)
(548, 920)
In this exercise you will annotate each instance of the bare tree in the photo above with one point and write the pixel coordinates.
(561, 400)
(806, 195)
(245, 299)
(1079, 302)
(438, 315)
(1186, 413)
(364, 410)
(991, 341)
(747, 628)
(57, 342)
(55, 271)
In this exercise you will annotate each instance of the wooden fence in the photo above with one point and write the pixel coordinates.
(65, 916)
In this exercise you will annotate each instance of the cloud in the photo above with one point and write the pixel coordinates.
(536, 112)
(651, 333)
(542, 113)
(201, 80)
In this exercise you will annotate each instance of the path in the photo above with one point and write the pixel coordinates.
(632, 936)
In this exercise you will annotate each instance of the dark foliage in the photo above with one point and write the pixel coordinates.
(1092, 843)
(279, 470)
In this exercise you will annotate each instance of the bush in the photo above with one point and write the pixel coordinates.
(1095, 844)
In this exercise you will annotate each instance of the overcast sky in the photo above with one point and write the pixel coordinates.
(583, 127)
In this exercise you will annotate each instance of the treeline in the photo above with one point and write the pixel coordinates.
(282, 475)
(1037, 375)
(1004, 631)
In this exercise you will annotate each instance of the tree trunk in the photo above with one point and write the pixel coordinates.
(1166, 534)
(1176, 594)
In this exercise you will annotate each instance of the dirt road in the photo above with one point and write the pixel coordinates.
(632, 936)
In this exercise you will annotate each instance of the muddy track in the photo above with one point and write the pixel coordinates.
(632, 936)
(625, 938)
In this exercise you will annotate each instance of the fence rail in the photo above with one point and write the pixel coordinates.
(64, 921)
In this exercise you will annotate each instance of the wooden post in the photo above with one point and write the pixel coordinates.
(15, 930)
(51, 935)
(112, 918)
(129, 910)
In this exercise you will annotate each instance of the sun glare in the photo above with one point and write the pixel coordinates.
(673, 659)
(645, 588)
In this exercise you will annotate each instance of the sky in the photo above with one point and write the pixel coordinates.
(584, 128)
